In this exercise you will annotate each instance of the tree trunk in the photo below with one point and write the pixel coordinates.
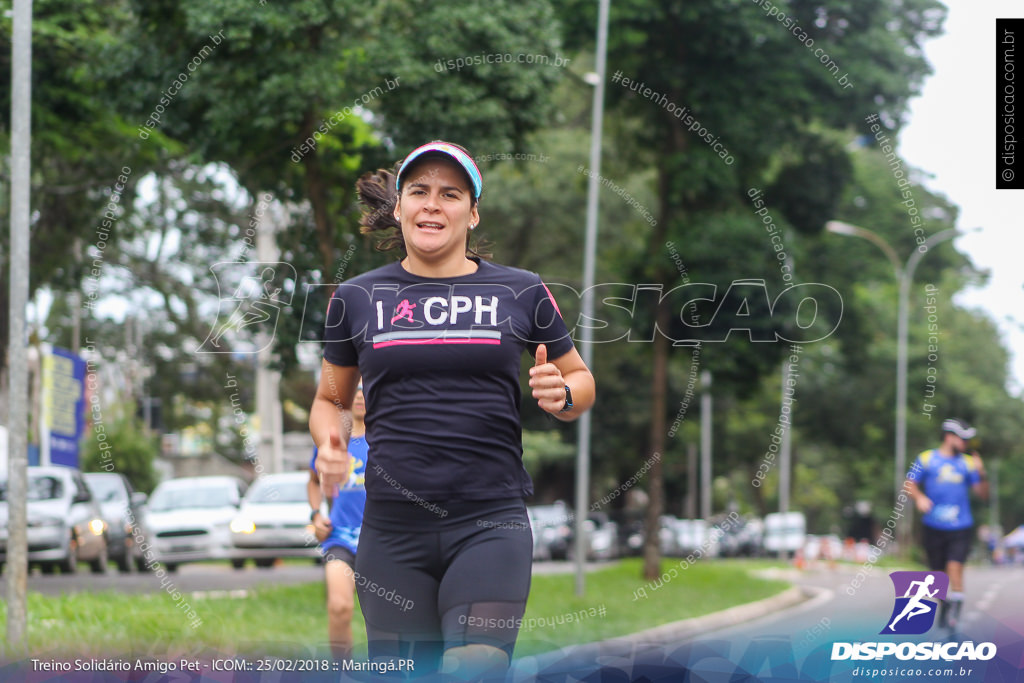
(316, 190)
(659, 389)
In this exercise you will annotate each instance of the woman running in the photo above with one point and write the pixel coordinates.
(445, 552)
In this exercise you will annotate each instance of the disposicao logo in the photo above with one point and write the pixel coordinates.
(917, 599)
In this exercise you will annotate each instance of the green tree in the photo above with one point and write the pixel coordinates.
(80, 146)
(957, 366)
(131, 451)
(762, 94)
(299, 99)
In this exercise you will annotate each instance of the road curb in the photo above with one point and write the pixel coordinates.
(688, 628)
(666, 634)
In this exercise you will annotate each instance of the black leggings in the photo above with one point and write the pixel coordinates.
(430, 580)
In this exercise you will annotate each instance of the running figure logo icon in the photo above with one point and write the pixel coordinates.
(917, 597)
(254, 305)
(404, 309)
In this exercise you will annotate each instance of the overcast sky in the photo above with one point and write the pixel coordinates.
(952, 136)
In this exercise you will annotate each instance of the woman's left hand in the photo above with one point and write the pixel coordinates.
(547, 383)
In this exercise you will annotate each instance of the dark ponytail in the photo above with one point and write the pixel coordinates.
(378, 196)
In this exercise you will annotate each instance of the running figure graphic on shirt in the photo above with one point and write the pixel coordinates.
(915, 606)
(404, 310)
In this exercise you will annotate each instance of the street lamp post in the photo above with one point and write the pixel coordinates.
(905, 276)
(587, 305)
(705, 445)
(17, 368)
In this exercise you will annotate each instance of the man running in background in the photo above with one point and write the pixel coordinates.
(940, 483)
(339, 535)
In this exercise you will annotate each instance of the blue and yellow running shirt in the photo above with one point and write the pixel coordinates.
(440, 361)
(348, 504)
(947, 482)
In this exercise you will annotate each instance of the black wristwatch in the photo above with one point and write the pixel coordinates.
(568, 400)
(315, 512)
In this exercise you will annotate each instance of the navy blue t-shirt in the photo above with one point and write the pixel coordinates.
(440, 360)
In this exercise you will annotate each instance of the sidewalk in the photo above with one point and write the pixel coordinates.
(569, 567)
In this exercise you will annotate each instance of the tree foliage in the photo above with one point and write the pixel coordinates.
(295, 100)
(131, 452)
(80, 145)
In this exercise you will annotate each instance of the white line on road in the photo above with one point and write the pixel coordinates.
(989, 596)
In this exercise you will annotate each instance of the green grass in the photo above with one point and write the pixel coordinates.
(704, 587)
(291, 620)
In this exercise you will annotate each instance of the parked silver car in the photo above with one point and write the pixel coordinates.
(602, 537)
(65, 524)
(681, 537)
(551, 530)
(122, 509)
(274, 521)
(189, 519)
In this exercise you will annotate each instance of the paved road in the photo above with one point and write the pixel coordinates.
(850, 610)
(205, 577)
(796, 644)
(189, 578)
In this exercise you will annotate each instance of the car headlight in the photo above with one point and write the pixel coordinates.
(97, 527)
(241, 525)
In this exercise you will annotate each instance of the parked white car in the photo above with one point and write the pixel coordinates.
(274, 520)
(681, 537)
(784, 532)
(65, 524)
(189, 519)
